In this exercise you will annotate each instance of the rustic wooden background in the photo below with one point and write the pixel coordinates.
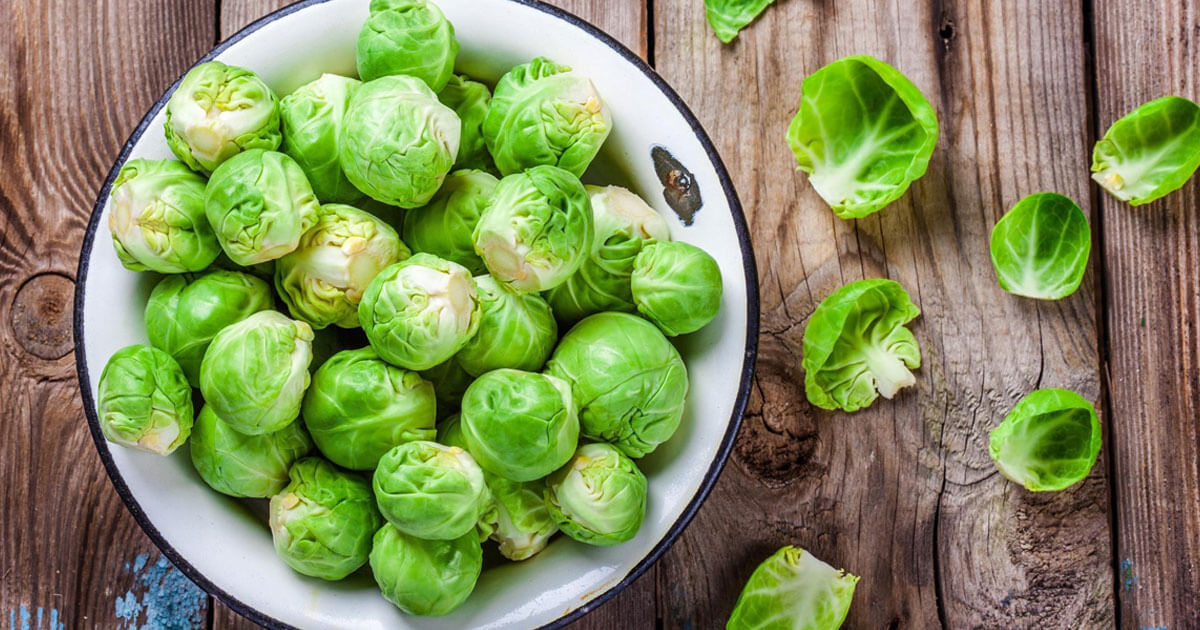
(902, 494)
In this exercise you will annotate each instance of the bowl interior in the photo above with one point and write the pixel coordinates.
(225, 545)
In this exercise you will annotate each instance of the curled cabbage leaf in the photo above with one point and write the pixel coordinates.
(1040, 248)
(793, 590)
(856, 346)
(1049, 441)
(1149, 152)
(864, 134)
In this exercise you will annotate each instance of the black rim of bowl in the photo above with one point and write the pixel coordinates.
(710, 477)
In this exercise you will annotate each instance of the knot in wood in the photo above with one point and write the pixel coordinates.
(40, 316)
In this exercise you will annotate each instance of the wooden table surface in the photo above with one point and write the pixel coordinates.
(902, 494)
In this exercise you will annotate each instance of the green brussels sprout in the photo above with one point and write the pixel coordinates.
(431, 491)
(793, 590)
(360, 406)
(728, 17)
(536, 230)
(450, 382)
(219, 111)
(323, 522)
(445, 226)
(144, 401)
(1040, 248)
(185, 312)
(856, 347)
(409, 37)
(312, 119)
(1150, 152)
(629, 382)
(259, 204)
(520, 425)
(599, 497)
(240, 465)
(677, 286)
(543, 113)
(864, 134)
(624, 225)
(470, 100)
(419, 312)
(397, 141)
(516, 330)
(425, 577)
(1049, 441)
(157, 218)
(523, 525)
(323, 280)
(255, 372)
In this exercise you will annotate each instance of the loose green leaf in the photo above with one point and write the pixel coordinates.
(856, 346)
(1150, 152)
(864, 133)
(793, 590)
(1040, 248)
(728, 17)
(1049, 441)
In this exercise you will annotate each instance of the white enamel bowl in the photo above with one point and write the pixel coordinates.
(224, 545)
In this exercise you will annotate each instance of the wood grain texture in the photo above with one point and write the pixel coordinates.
(1151, 257)
(903, 494)
(75, 78)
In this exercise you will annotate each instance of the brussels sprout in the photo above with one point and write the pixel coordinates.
(1049, 441)
(397, 141)
(856, 346)
(144, 401)
(520, 425)
(523, 525)
(241, 465)
(419, 312)
(536, 230)
(516, 330)
(409, 37)
(624, 223)
(470, 100)
(322, 523)
(359, 407)
(677, 286)
(259, 204)
(450, 382)
(629, 381)
(1040, 248)
(312, 119)
(323, 280)
(543, 113)
(157, 218)
(599, 497)
(864, 134)
(185, 312)
(431, 491)
(445, 226)
(425, 577)
(728, 17)
(255, 372)
(219, 111)
(1150, 152)
(793, 590)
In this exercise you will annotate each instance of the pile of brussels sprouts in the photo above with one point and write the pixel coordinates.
(367, 279)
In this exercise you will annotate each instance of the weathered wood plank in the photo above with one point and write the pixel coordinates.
(1151, 254)
(627, 23)
(75, 78)
(903, 494)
